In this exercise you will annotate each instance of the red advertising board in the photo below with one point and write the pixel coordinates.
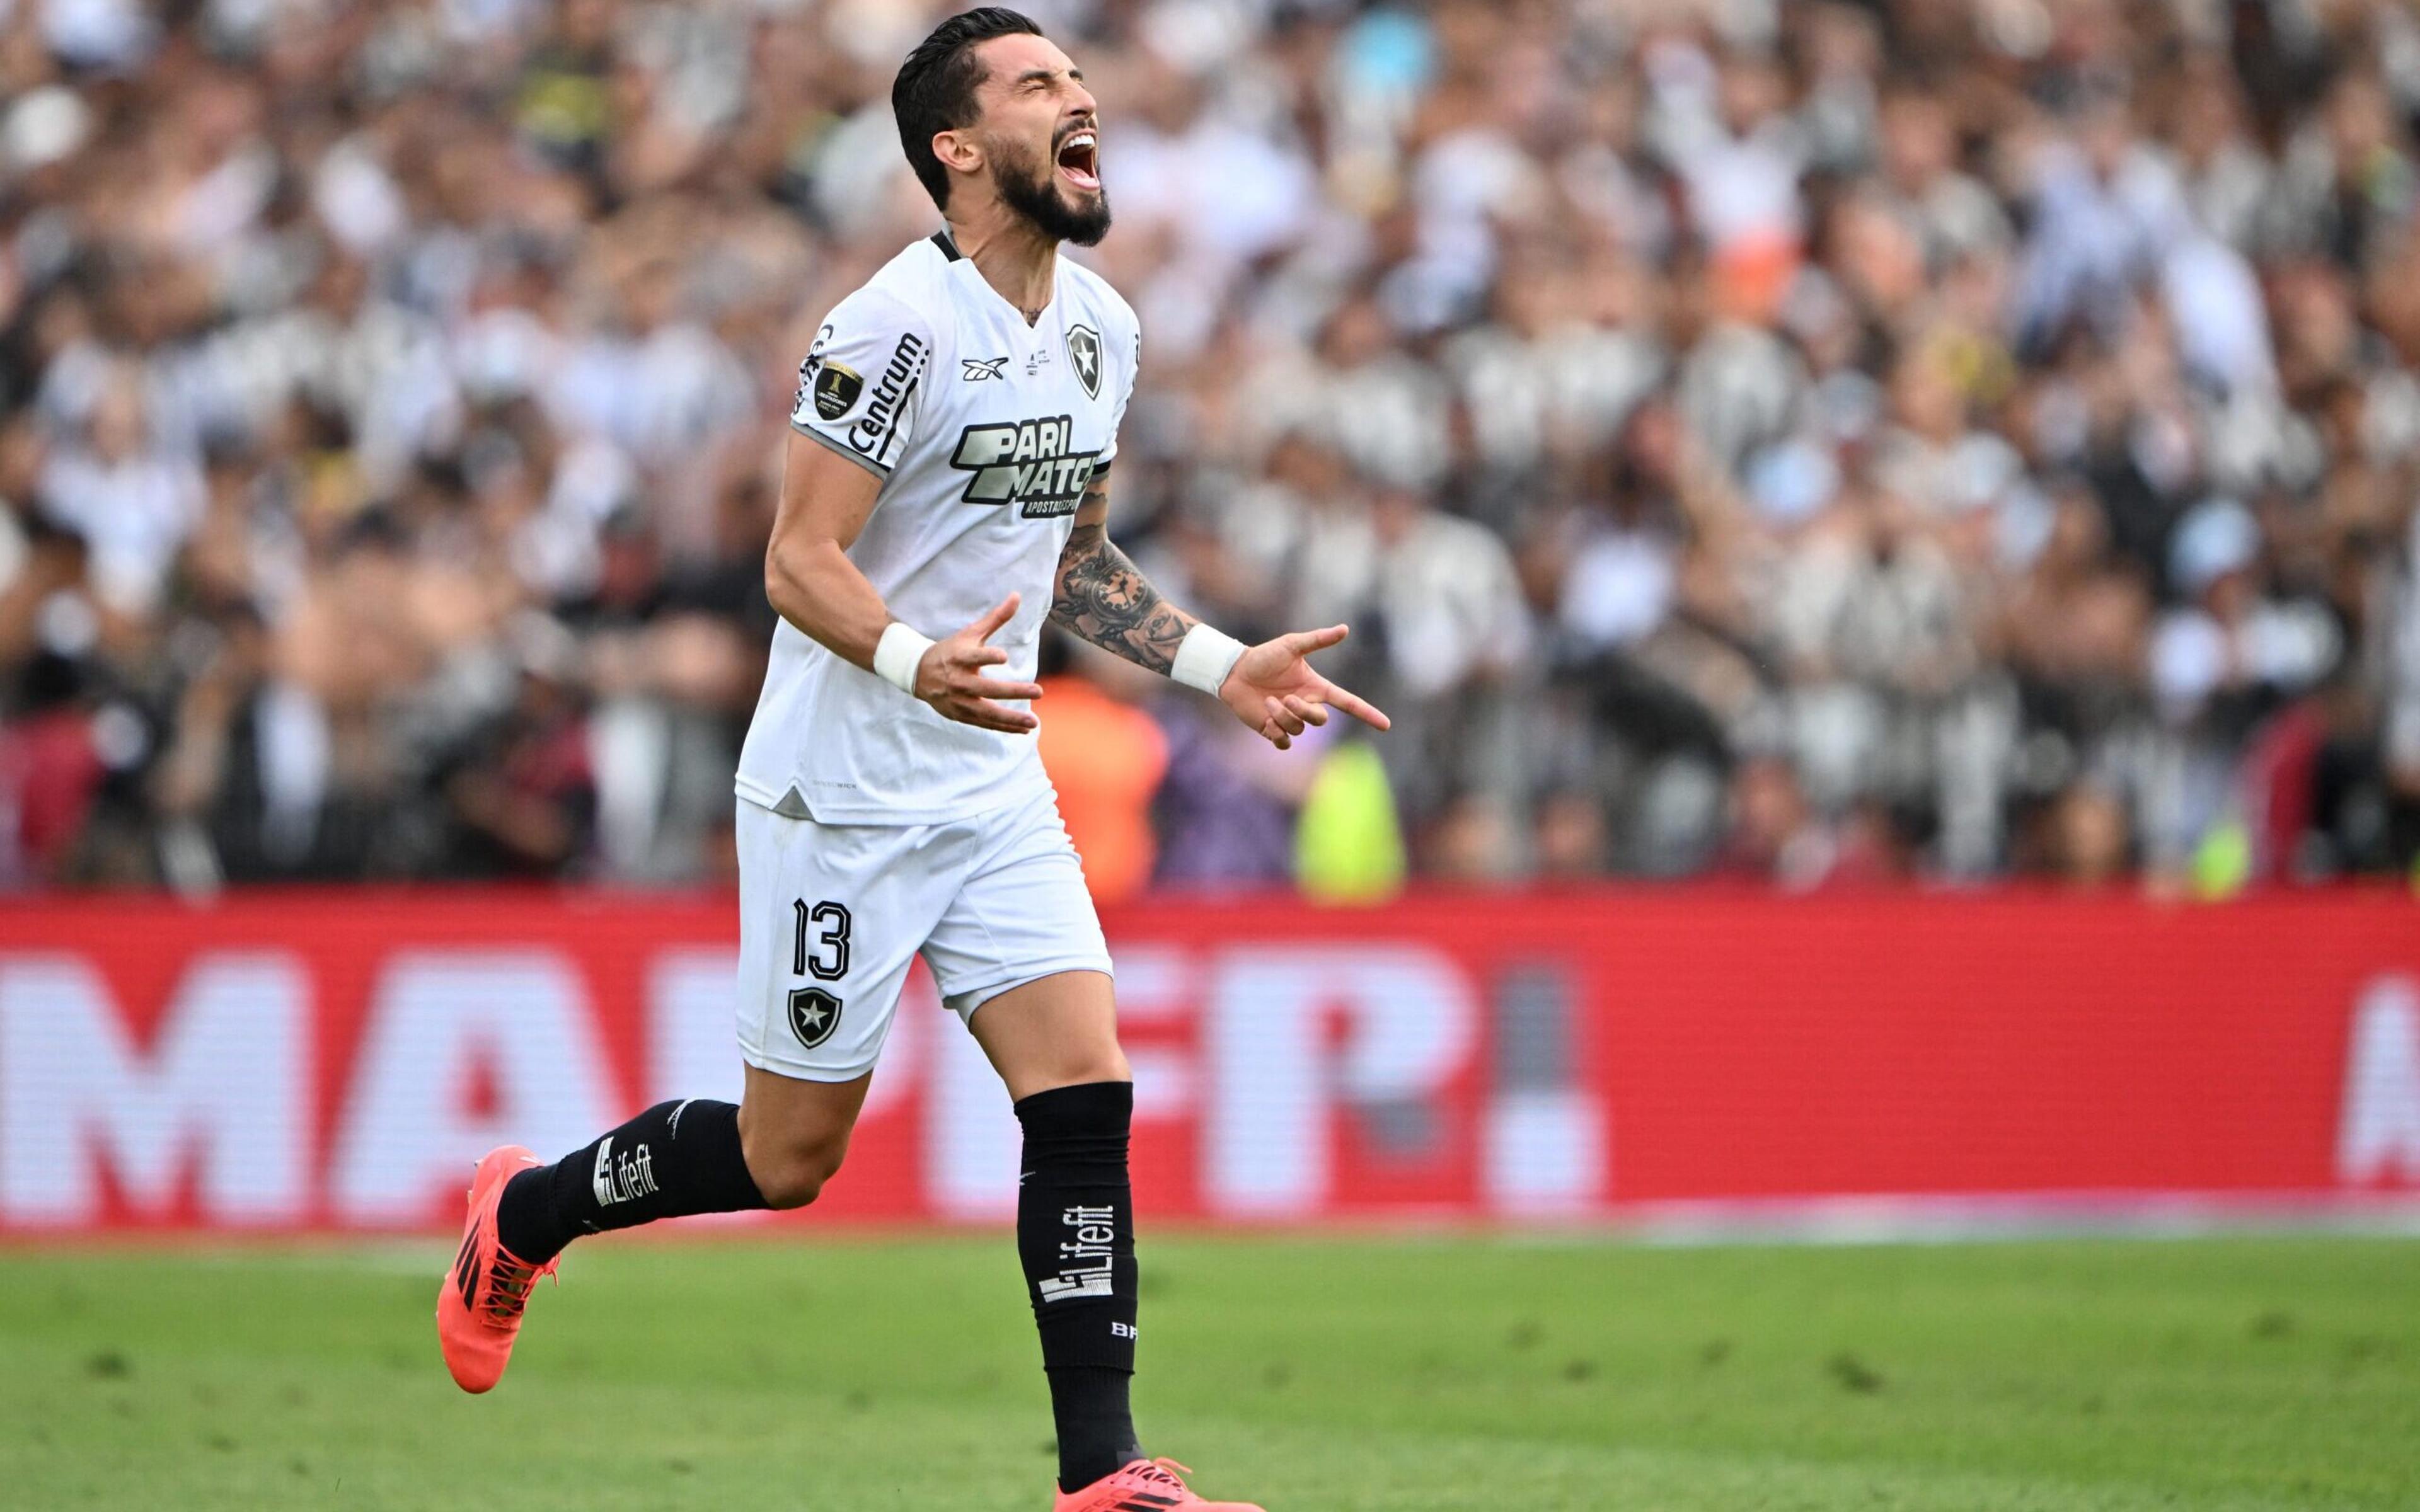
(335, 1060)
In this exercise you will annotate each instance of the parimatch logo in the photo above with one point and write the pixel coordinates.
(1030, 463)
(1086, 1271)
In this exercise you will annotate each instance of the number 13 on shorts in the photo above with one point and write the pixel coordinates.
(820, 951)
(822, 948)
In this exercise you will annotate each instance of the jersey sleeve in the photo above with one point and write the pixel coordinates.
(859, 386)
(1127, 354)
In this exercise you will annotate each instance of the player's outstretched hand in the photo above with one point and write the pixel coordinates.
(1274, 689)
(951, 677)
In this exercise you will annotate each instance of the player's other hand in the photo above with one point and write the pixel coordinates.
(1274, 689)
(951, 677)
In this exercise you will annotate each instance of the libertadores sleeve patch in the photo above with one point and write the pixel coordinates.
(858, 384)
(836, 387)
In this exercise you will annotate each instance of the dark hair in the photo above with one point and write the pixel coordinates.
(935, 91)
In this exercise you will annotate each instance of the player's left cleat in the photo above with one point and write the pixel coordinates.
(1145, 1485)
(479, 1308)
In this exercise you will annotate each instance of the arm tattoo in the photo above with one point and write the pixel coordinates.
(1104, 599)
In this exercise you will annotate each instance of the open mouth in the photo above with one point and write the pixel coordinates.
(1079, 160)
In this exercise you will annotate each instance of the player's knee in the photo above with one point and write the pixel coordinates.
(791, 1172)
(1108, 1065)
(1078, 1065)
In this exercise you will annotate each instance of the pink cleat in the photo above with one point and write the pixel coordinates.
(479, 1308)
(1145, 1485)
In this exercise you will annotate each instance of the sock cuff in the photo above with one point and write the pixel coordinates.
(707, 1123)
(1086, 1108)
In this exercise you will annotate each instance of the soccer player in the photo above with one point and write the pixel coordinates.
(955, 423)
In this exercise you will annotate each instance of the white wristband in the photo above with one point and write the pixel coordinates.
(898, 655)
(1204, 657)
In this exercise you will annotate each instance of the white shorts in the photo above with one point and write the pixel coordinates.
(830, 916)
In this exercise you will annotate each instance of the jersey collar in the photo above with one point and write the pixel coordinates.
(950, 254)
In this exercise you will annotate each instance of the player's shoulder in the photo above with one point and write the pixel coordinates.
(1096, 295)
(910, 291)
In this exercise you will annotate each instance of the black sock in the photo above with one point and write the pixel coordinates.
(673, 1160)
(1074, 1232)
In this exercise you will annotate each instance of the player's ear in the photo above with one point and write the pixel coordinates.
(959, 151)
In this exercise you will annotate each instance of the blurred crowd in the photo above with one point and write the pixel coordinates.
(1817, 440)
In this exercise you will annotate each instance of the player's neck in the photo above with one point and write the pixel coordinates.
(1013, 255)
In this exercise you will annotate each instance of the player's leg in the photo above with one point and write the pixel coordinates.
(1058, 1030)
(1054, 1042)
(674, 1159)
(829, 920)
(774, 1148)
(795, 1133)
(1018, 952)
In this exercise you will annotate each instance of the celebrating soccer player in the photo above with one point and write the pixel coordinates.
(955, 423)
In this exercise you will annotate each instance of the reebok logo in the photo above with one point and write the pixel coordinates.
(1089, 1258)
(632, 1176)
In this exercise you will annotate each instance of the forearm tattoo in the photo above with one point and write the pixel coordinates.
(1106, 600)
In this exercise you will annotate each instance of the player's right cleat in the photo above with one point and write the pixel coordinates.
(1145, 1485)
(479, 1308)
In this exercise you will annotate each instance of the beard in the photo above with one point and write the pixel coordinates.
(1031, 188)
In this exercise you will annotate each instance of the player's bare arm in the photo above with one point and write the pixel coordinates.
(1103, 597)
(826, 499)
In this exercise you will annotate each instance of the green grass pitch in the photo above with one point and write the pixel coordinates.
(1317, 1375)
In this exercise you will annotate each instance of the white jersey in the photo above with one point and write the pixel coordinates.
(984, 431)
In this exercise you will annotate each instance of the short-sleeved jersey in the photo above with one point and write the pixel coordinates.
(984, 431)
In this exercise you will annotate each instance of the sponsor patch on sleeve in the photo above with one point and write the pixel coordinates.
(836, 387)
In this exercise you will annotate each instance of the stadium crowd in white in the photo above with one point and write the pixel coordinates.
(1826, 441)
